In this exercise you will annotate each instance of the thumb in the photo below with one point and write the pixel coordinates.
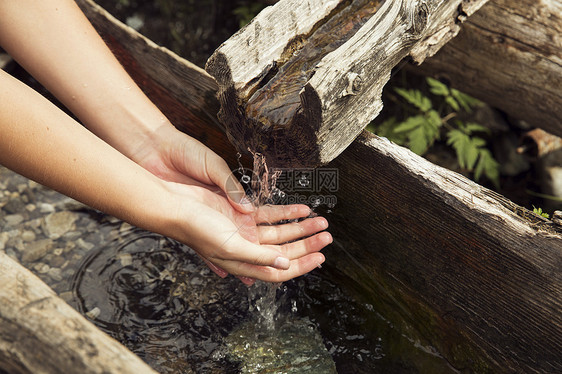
(221, 175)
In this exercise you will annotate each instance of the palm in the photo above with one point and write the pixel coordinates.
(230, 237)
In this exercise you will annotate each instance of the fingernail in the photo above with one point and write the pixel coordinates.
(323, 224)
(281, 263)
(247, 204)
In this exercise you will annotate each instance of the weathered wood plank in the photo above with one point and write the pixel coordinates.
(40, 333)
(488, 273)
(509, 55)
(302, 104)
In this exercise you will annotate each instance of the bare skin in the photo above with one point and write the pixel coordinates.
(130, 161)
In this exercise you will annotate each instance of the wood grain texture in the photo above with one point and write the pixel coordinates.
(40, 333)
(318, 108)
(509, 54)
(489, 270)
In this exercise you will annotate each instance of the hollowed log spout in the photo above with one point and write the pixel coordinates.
(302, 80)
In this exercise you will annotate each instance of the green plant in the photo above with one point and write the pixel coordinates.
(430, 119)
(540, 212)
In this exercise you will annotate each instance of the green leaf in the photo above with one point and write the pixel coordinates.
(468, 149)
(417, 141)
(467, 102)
(488, 166)
(431, 127)
(540, 212)
(460, 143)
(387, 130)
(416, 98)
(452, 103)
(437, 88)
(410, 124)
(475, 127)
(434, 119)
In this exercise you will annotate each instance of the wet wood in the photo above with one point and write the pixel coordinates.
(509, 54)
(40, 333)
(304, 78)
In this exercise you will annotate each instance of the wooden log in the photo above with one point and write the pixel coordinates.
(509, 55)
(304, 78)
(40, 333)
(470, 269)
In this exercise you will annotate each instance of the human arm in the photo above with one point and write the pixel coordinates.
(42, 142)
(54, 41)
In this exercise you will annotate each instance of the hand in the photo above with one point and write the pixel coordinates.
(232, 237)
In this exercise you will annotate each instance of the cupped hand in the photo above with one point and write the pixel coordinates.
(228, 232)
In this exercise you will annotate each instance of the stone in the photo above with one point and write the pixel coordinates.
(57, 261)
(84, 244)
(55, 274)
(13, 219)
(41, 268)
(28, 236)
(4, 237)
(294, 347)
(35, 250)
(57, 224)
(46, 208)
(66, 296)
(13, 206)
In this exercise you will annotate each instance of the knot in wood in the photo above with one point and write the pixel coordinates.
(354, 84)
(419, 17)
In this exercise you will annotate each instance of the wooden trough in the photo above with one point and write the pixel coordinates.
(461, 268)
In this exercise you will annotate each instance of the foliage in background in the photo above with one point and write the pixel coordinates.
(191, 28)
(540, 212)
(430, 120)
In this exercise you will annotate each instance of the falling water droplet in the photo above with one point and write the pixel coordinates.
(303, 181)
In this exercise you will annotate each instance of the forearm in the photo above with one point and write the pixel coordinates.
(41, 142)
(54, 41)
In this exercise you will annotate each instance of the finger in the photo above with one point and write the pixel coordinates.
(236, 248)
(217, 270)
(276, 213)
(246, 280)
(223, 273)
(278, 234)
(221, 175)
(306, 246)
(298, 267)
